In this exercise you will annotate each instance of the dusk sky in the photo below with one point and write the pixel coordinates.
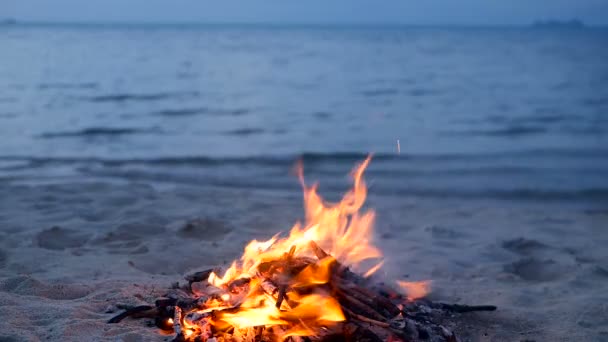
(498, 12)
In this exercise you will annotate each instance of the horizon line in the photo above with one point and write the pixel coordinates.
(346, 24)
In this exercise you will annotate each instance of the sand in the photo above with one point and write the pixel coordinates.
(69, 252)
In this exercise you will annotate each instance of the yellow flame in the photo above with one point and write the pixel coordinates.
(314, 274)
(341, 229)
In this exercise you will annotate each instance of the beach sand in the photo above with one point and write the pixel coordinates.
(70, 252)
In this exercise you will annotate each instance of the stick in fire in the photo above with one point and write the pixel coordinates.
(302, 287)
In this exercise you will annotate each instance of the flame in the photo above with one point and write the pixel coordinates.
(341, 229)
(414, 289)
(338, 228)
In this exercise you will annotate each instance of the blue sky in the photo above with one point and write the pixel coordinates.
(309, 11)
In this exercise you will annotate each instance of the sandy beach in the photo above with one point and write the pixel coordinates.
(133, 154)
(70, 252)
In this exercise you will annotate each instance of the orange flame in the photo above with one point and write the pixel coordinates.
(341, 229)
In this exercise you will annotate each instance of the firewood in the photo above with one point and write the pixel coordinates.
(319, 253)
(370, 308)
(384, 306)
(237, 283)
(364, 334)
(281, 296)
(458, 308)
(135, 312)
(164, 302)
(345, 277)
(366, 319)
(269, 287)
(358, 306)
(200, 276)
(178, 323)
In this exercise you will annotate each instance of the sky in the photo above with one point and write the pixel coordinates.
(464, 12)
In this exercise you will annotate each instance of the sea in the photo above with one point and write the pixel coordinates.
(517, 114)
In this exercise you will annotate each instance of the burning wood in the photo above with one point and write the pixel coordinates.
(302, 287)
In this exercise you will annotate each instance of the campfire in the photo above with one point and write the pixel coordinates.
(313, 285)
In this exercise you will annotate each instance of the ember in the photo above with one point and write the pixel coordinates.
(306, 286)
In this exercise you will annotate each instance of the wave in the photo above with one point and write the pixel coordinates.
(96, 132)
(349, 157)
(380, 92)
(500, 163)
(62, 85)
(268, 180)
(521, 175)
(183, 111)
(414, 92)
(510, 131)
(595, 101)
(590, 194)
(322, 115)
(124, 97)
(246, 131)
(202, 110)
(417, 92)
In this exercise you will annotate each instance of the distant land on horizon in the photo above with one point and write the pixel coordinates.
(8, 21)
(544, 23)
(552, 23)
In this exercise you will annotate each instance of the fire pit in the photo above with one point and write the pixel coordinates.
(313, 285)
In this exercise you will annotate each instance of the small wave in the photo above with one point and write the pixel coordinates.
(60, 85)
(202, 110)
(124, 97)
(515, 194)
(511, 131)
(245, 131)
(380, 92)
(549, 118)
(542, 116)
(311, 157)
(595, 101)
(417, 92)
(585, 131)
(235, 112)
(322, 115)
(97, 131)
(183, 111)
(284, 182)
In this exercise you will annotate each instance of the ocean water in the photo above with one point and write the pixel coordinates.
(507, 113)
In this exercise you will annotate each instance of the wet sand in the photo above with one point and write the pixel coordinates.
(69, 252)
